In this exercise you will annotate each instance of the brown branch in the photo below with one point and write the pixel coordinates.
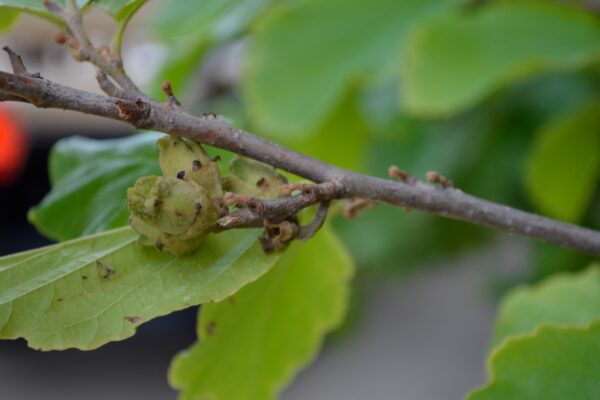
(78, 40)
(253, 212)
(413, 194)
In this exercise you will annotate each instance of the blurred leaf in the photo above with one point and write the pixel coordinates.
(305, 53)
(35, 7)
(548, 260)
(7, 18)
(552, 364)
(564, 166)
(263, 335)
(120, 9)
(89, 184)
(563, 299)
(483, 151)
(389, 238)
(455, 61)
(195, 26)
(341, 140)
(87, 292)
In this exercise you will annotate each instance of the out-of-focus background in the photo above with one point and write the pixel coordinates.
(510, 126)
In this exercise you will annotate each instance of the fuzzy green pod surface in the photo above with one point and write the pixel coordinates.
(176, 211)
(253, 178)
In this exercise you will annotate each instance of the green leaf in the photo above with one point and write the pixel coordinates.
(341, 140)
(35, 7)
(305, 53)
(456, 61)
(553, 364)
(252, 345)
(547, 260)
(90, 291)
(7, 18)
(196, 26)
(120, 9)
(563, 299)
(563, 169)
(89, 184)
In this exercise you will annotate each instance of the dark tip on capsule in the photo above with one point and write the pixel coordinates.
(267, 245)
(262, 183)
(181, 175)
(196, 165)
(198, 206)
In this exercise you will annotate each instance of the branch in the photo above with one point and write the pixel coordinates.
(78, 40)
(439, 198)
(252, 211)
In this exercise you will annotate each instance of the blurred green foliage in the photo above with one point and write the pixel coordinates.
(357, 85)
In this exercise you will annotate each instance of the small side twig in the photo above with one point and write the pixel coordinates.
(78, 40)
(396, 173)
(437, 178)
(172, 101)
(308, 231)
(109, 87)
(355, 206)
(253, 212)
(16, 62)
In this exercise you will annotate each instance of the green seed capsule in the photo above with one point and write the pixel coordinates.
(174, 212)
(253, 178)
(186, 159)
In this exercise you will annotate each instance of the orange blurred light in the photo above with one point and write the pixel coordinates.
(13, 148)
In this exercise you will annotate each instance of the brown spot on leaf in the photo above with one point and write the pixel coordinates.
(59, 299)
(84, 277)
(104, 270)
(133, 320)
(211, 328)
(262, 183)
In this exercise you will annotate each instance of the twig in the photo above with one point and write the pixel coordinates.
(109, 87)
(355, 206)
(438, 179)
(448, 202)
(172, 101)
(310, 230)
(80, 42)
(253, 211)
(396, 173)
(16, 62)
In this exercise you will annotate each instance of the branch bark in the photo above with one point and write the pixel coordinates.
(127, 103)
(413, 194)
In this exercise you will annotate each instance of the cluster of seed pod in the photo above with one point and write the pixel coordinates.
(176, 211)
